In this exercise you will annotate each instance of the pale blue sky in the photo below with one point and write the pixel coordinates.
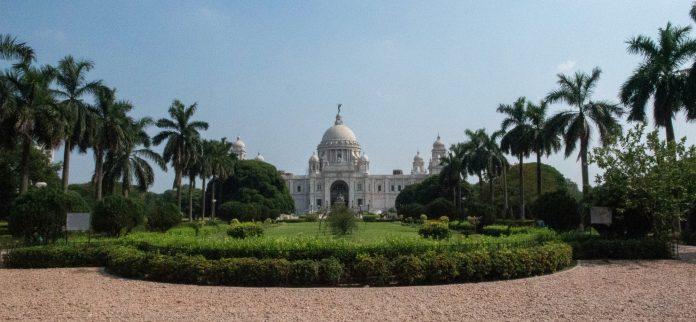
(272, 72)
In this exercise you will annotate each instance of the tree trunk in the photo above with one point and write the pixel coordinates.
(505, 191)
(585, 178)
(177, 182)
(538, 173)
(669, 129)
(212, 199)
(203, 197)
(522, 214)
(125, 187)
(192, 181)
(98, 173)
(66, 164)
(26, 152)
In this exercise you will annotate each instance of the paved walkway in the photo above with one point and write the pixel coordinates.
(625, 290)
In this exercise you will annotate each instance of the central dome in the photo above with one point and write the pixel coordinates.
(339, 134)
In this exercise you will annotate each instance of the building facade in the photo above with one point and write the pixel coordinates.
(339, 171)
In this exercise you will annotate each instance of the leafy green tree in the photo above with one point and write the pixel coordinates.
(576, 125)
(130, 160)
(78, 115)
(10, 48)
(453, 173)
(659, 76)
(109, 132)
(258, 183)
(648, 178)
(222, 164)
(545, 139)
(40, 170)
(517, 139)
(181, 133)
(29, 111)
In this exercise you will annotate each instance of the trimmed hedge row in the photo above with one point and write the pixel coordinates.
(594, 247)
(80, 255)
(503, 230)
(428, 268)
(316, 249)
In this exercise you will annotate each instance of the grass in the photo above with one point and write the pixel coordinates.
(365, 232)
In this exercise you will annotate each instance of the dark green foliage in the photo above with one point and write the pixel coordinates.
(74, 255)
(411, 210)
(162, 216)
(40, 170)
(38, 215)
(246, 211)
(595, 247)
(304, 272)
(558, 210)
(502, 230)
(412, 200)
(435, 230)
(115, 215)
(370, 218)
(373, 270)
(341, 220)
(75, 203)
(330, 271)
(258, 183)
(245, 230)
(439, 207)
(463, 226)
(630, 222)
(409, 270)
(441, 267)
(516, 222)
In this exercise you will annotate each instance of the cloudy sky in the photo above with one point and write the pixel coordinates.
(272, 72)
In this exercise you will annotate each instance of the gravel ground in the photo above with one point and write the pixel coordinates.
(624, 290)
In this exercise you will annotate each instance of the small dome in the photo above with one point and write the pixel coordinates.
(364, 158)
(239, 143)
(438, 143)
(314, 158)
(417, 157)
(259, 157)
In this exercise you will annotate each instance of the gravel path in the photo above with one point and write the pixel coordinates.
(626, 290)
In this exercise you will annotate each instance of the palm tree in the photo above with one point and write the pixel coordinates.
(110, 131)
(500, 163)
(659, 76)
(545, 140)
(475, 155)
(204, 170)
(516, 139)
(10, 48)
(78, 114)
(130, 162)
(575, 125)
(222, 162)
(180, 133)
(453, 172)
(29, 111)
(193, 168)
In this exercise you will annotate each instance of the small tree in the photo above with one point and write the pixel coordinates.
(164, 215)
(38, 215)
(341, 220)
(650, 177)
(115, 214)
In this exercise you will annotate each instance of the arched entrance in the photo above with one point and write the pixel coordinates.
(339, 192)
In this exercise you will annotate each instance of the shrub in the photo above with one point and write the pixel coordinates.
(341, 220)
(474, 266)
(444, 219)
(164, 215)
(409, 269)
(74, 202)
(246, 211)
(558, 210)
(245, 230)
(311, 217)
(370, 218)
(440, 207)
(435, 230)
(423, 218)
(440, 267)
(373, 270)
(330, 271)
(304, 272)
(595, 247)
(38, 215)
(115, 214)
(411, 210)
(463, 226)
(80, 255)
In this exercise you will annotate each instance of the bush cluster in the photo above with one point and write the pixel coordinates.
(435, 230)
(502, 230)
(39, 215)
(595, 247)
(247, 211)
(245, 230)
(558, 209)
(163, 216)
(115, 215)
(73, 255)
(370, 217)
(341, 220)
(464, 227)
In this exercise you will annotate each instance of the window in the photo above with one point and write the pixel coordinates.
(399, 187)
(379, 188)
(318, 186)
(299, 188)
(360, 202)
(359, 187)
(392, 187)
(318, 202)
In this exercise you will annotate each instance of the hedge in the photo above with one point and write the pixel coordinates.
(595, 247)
(503, 230)
(427, 268)
(245, 230)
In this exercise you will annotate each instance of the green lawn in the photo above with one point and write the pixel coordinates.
(366, 231)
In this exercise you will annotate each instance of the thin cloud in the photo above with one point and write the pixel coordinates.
(566, 66)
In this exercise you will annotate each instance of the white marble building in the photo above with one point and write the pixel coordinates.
(340, 170)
